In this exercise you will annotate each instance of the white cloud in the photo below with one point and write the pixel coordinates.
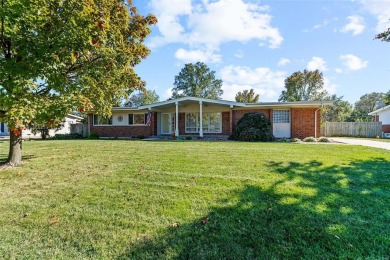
(166, 94)
(355, 25)
(317, 63)
(196, 55)
(381, 10)
(338, 70)
(353, 62)
(330, 87)
(283, 62)
(264, 81)
(209, 24)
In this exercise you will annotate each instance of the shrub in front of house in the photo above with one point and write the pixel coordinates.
(296, 140)
(323, 139)
(253, 127)
(310, 139)
(93, 136)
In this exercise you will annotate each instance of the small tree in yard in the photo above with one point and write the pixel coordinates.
(59, 56)
(253, 127)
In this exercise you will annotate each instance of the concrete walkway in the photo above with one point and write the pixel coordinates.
(357, 141)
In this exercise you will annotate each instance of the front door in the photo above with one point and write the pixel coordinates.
(281, 123)
(167, 123)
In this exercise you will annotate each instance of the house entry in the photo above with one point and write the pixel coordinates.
(281, 123)
(167, 123)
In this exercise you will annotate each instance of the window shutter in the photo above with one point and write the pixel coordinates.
(146, 118)
(130, 119)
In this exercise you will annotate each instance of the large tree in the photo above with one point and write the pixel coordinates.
(386, 98)
(59, 55)
(366, 104)
(340, 111)
(304, 86)
(197, 80)
(247, 96)
(145, 97)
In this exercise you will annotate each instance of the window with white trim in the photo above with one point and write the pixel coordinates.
(101, 120)
(211, 122)
(138, 119)
(281, 116)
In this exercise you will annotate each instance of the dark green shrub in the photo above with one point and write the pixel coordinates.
(140, 137)
(296, 140)
(310, 139)
(188, 137)
(93, 136)
(323, 139)
(253, 127)
(66, 136)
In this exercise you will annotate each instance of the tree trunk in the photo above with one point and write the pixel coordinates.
(15, 149)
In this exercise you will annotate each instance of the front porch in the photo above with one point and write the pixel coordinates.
(196, 117)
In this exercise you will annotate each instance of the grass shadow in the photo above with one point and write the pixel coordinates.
(4, 158)
(314, 211)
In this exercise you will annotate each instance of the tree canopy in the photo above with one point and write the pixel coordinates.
(367, 103)
(197, 80)
(340, 111)
(384, 36)
(247, 96)
(142, 98)
(60, 56)
(386, 98)
(304, 86)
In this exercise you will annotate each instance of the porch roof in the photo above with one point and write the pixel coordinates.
(231, 104)
(184, 100)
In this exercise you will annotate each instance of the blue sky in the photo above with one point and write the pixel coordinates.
(257, 44)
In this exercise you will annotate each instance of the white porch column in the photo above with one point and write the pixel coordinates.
(177, 120)
(200, 119)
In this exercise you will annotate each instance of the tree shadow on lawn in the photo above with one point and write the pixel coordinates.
(4, 158)
(315, 211)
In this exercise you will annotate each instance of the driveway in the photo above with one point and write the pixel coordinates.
(357, 141)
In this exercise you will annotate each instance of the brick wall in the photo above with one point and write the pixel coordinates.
(302, 122)
(237, 114)
(386, 128)
(124, 131)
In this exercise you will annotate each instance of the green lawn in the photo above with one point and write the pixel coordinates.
(195, 200)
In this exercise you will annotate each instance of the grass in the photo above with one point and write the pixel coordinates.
(209, 200)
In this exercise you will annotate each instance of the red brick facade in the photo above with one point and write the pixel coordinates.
(237, 114)
(302, 122)
(386, 128)
(124, 131)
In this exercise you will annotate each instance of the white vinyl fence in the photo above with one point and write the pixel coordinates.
(356, 129)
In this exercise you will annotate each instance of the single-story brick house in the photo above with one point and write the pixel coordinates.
(206, 117)
(382, 115)
(69, 120)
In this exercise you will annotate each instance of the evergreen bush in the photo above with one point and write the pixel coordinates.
(253, 127)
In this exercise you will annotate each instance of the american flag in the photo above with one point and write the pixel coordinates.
(149, 118)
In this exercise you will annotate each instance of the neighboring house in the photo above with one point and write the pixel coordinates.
(65, 129)
(206, 117)
(382, 115)
(3, 129)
